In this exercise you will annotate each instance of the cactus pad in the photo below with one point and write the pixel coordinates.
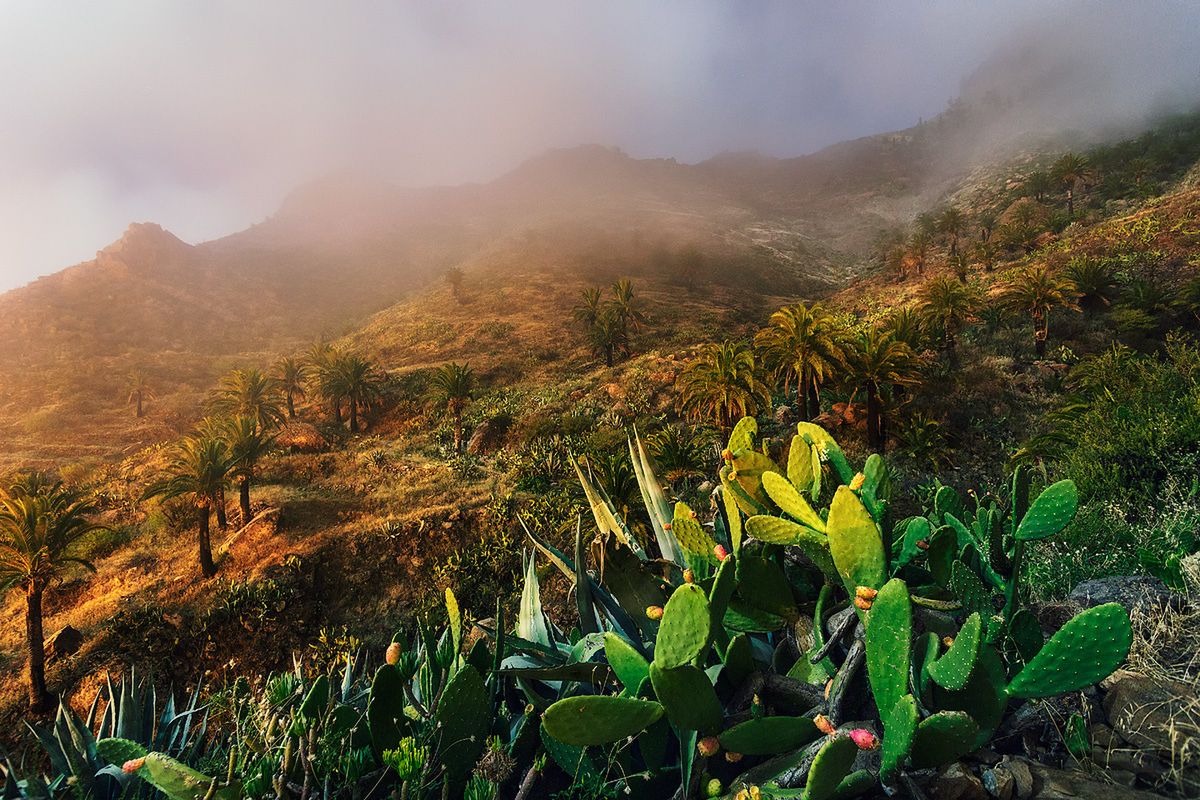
(790, 501)
(744, 435)
(463, 718)
(899, 726)
(690, 535)
(762, 584)
(953, 669)
(1084, 651)
(800, 464)
(888, 641)
(776, 530)
(118, 751)
(689, 698)
(830, 767)
(855, 542)
(631, 669)
(942, 738)
(769, 735)
(180, 782)
(597, 719)
(685, 627)
(1050, 512)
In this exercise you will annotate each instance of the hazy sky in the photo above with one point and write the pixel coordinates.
(202, 115)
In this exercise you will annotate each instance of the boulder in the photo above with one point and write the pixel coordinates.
(489, 435)
(1061, 784)
(1144, 711)
(1134, 592)
(1000, 783)
(64, 642)
(957, 782)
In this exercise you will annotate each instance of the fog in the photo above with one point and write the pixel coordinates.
(203, 115)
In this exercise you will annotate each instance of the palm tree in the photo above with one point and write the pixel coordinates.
(722, 384)
(198, 469)
(878, 361)
(139, 390)
(588, 310)
(1036, 290)
(38, 531)
(359, 384)
(1039, 184)
(949, 305)
(324, 359)
(625, 308)
(607, 335)
(951, 222)
(907, 325)
(453, 387)
(1069, 171)
(249, 393)
(1094, 281)
(247, 445)
(291, 375)
(801, 344)
(918, 248)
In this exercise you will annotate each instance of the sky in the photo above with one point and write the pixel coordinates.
(201, 115)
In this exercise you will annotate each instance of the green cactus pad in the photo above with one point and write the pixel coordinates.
(888, 641)
(899, 726)
(1050, 512)
(597, 719)
(762, 584)
(800, 464)
(855, 542)
(733, 515)
(769, 735)
(723, 586)
(688, 696)
(749, 466)
(689, 533)
(744, 435)
(856, 783)
(747, 504)
(970, 590)
(1083, 652)
(945, 737)
(983, 697)
(385, 709)
(739, 659)
(463, 718)
(953, 669)
(684, 629)
(790, 501)
(916, 530)
(1025, 638)
(631, 669)
(830, 767)
(571, 759)
(180, 782)
(776, 530)
(118, 751)
(947, 501)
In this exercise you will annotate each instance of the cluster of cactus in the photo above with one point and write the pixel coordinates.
(916, 644)
(792, 644)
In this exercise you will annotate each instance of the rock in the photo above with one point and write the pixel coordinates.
(957, 782)
(1143, 711)
(1059, 784)
(64, 642)
(1134, 592)
(1052, 616)
(489, 435)
(1000, 783)
(1022, 778)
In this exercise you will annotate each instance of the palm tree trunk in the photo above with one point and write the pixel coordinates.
(812, 407)
(608, 356)
(337, 411)
(291, 406)
(139, 405)
(874, 412)
(353, 415)
(39, 699)
(222, 520)
(207, 567)
(1070, 202)
(458, 432)
(244, 498)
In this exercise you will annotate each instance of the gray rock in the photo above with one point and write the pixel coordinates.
(64, 642)
(957, 782)
(1000, 783)
(1134, 592)
(1022, 778)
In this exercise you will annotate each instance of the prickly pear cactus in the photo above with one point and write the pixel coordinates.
(899, 727)
(685, 628)
(831, 766)
(776, 530)
(598, 719)
(690, 535)
(463, 718)
(688, 696)
(953, 669)
(628, 664)
(768, 736)
(888, 640)
(1083, 652)
(180, 782)
(1050, 512)
(943, 738)
(855, 542)
(790, 501)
